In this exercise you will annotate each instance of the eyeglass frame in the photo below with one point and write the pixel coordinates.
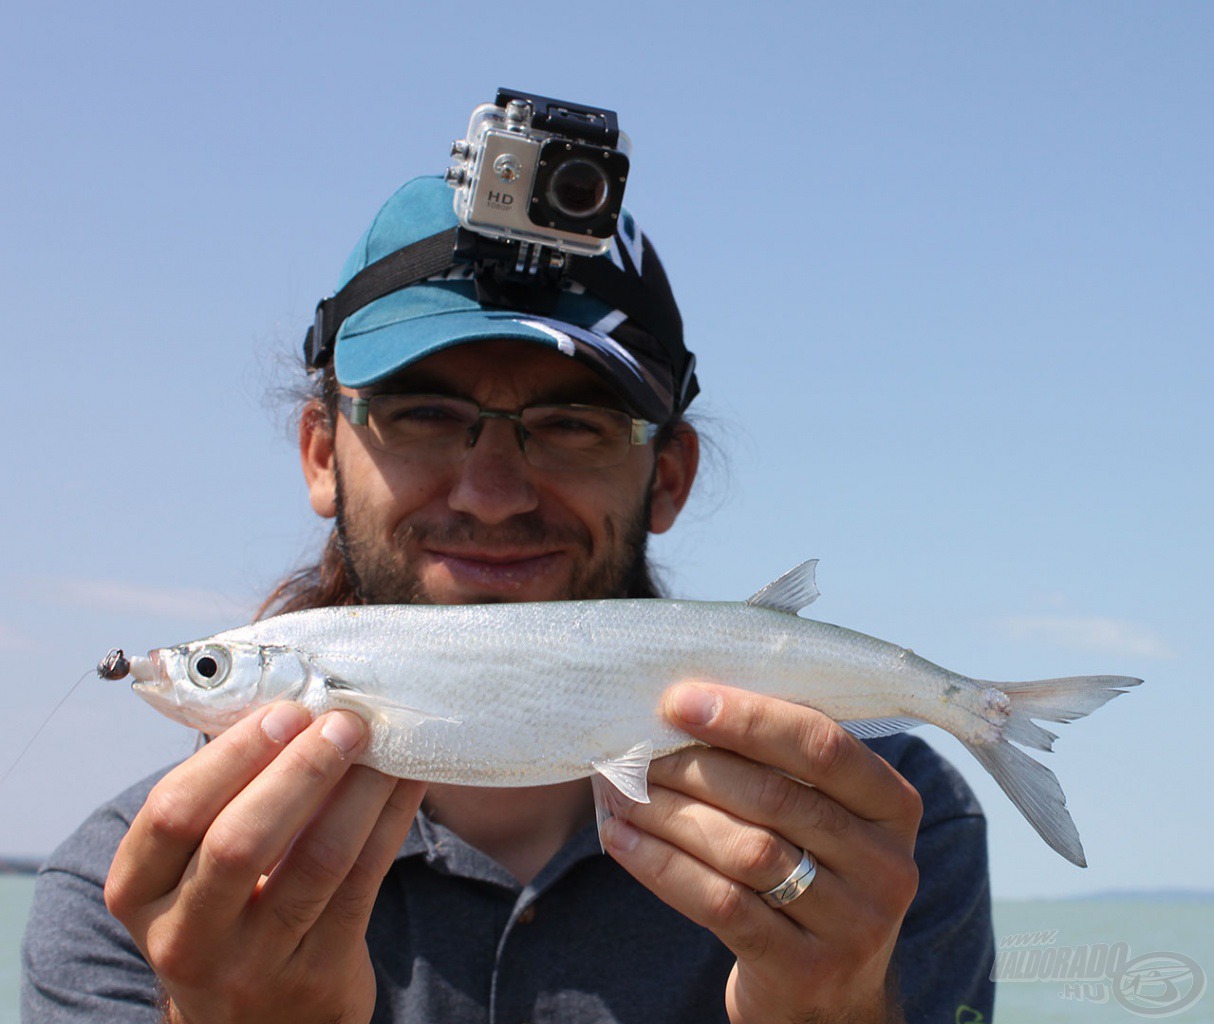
(356, 410)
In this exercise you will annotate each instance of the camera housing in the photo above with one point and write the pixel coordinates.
(542, 171)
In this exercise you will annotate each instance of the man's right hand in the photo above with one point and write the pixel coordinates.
(248, 878)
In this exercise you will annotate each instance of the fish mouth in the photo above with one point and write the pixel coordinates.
(146, 670)
(153, 684)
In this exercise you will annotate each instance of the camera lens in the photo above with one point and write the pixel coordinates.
(578, 189)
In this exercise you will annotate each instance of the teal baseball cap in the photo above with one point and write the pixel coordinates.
(647, 364)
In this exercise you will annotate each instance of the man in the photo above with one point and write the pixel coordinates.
(473, 453)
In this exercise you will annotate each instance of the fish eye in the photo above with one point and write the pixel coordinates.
(208, 667)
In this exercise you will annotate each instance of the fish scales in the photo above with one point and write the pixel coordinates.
(534, 694)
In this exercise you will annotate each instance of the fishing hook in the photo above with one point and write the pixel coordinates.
(114, 665)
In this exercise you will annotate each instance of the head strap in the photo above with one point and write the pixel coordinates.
(513, 276)
(397, 270)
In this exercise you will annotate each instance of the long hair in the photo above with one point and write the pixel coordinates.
(327, 583)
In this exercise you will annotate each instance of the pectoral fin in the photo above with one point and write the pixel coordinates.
(379, 709)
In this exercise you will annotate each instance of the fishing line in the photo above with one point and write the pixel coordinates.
(45, 723)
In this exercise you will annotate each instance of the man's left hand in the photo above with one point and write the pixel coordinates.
(730, 820)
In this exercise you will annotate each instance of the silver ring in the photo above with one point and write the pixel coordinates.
(794, 885)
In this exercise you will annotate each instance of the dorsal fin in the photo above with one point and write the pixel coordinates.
(793, 591)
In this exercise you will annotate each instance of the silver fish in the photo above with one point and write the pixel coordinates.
(540, 693)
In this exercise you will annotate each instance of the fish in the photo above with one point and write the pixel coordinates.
(529, 694)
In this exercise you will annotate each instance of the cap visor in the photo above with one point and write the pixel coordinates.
(365, 358)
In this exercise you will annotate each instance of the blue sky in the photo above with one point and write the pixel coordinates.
(947, 268)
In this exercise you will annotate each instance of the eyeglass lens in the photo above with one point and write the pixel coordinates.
(551, 436)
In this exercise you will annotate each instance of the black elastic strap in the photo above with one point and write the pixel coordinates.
(625, 292)
(397, 270)
(436, 254)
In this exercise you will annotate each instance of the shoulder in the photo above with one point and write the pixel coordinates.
(946, 946)
(946, 795)
(951, 845)
(88, 851)
(78, 962)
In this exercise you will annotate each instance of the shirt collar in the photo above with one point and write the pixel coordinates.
(444, 851)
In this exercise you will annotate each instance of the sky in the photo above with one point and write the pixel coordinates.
(947, 269)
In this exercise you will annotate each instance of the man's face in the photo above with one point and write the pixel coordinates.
(489, 526)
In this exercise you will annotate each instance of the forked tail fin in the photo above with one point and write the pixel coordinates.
(1031, 786)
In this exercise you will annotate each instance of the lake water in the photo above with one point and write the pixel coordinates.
(1164, 947)
(16, 892)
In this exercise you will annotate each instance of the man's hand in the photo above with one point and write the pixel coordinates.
(728, 821)
(248, 877)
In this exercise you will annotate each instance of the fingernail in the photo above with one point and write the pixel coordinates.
(344, 730)
(695, 705)
(620, 836)
(284, 722)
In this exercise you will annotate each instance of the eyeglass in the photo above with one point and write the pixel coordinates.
(442, 428)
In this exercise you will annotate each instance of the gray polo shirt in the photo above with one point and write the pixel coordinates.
(455, 939)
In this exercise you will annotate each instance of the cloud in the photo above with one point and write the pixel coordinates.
(12, 639)
(144, 599)
(1087, 633)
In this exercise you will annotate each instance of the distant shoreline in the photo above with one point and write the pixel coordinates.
(1120, 896)
(20, 865)
(30, 866)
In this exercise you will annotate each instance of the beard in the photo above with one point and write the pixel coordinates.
(381, 574)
